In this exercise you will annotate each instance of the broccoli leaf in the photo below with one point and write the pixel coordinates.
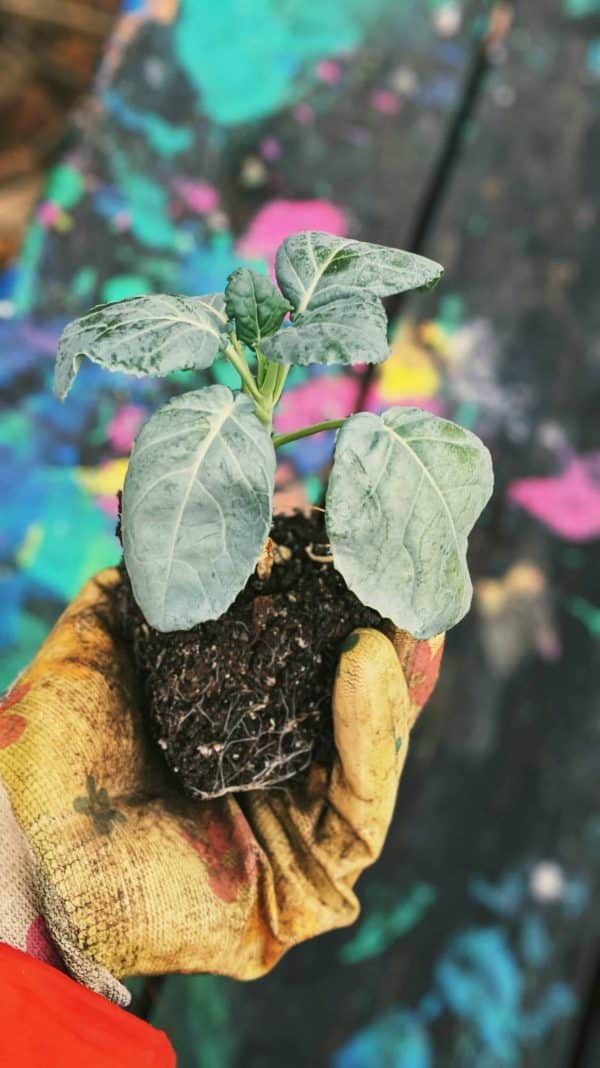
(313, 268)
(255, 304)
(197, 506)
(341, 331)
(405, 490)
(151, 335)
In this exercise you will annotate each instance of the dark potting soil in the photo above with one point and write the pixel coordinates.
(244, 701)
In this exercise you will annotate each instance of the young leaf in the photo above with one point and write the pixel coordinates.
(151, 335)
(341, 331)
(197, 506)
(313, 268)
(404, 493)
(255, 304)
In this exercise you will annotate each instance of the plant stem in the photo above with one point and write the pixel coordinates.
(316, 428)
(283, 372)
(262, 404)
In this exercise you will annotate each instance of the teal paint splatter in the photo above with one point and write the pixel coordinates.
(122, 286)
(225, 374)
(593, 57)
(398, 1040)
(451, 311)
(77, 538)
(380, 930)
(480, 980)
(467, 414)
(535, 941)
(503, 897)
(31, 252)
(146, 202)
(65, 186)
(30, 633)
(313, 487)
(195, 1011)
(245, 59)
(588, 613)
(164, 138)
(83, 282)
(577, 9)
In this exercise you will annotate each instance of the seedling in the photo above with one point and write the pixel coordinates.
(405, 488)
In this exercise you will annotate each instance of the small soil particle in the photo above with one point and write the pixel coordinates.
(244, 701)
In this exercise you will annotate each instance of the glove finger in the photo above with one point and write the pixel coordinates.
(371, 728)
(420, 660)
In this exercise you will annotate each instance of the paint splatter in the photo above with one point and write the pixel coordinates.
(569, 503)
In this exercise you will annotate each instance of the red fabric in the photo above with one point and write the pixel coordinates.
(48, 1019)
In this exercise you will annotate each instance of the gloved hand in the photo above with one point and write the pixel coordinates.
(129, 876)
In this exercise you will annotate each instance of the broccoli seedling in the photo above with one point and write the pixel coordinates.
(405, 487)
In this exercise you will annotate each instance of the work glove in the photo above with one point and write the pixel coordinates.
(112, 871)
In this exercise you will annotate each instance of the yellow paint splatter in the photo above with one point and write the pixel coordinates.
(522, 580)
(409, 372)
(27, 551)
(103, 481)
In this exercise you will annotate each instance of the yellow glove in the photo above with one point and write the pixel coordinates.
(132, 877)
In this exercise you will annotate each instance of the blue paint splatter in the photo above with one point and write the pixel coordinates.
(166, 139)
(398, 1040)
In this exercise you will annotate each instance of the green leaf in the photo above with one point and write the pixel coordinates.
(404, 493)
(340, 331)
(150, 335)
(255, 304)
(197, 505)
(313, 268)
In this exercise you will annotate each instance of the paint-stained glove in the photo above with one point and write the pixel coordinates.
(133, 878)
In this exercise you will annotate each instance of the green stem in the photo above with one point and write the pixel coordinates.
(316, 428)
(261, 403)
(284, 370)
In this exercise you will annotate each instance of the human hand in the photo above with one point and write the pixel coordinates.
(134, 878)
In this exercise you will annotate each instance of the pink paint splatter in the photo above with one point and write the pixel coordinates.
(124, 426)
(199, 196)
(385, 101)
(39, 944)
(569, 503)
(329, 71)
(304, 114)
(270, 148)
(280, 218)
(48, 213)
(121, 220)
(324, 397)
(108, 504)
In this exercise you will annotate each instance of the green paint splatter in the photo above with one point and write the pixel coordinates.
(588, 613)
(147, 205)
(31, 252)
(77, 538)
(398, 744)
(31, 632)
(379, 930)
(466, 414)
(65, 186)
(577, 9)
(451, 311)
(593, 57)
(262, 59)
(225, 374)
(195, 1011)
(313, 487)
(122, 286)
(83, 282)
